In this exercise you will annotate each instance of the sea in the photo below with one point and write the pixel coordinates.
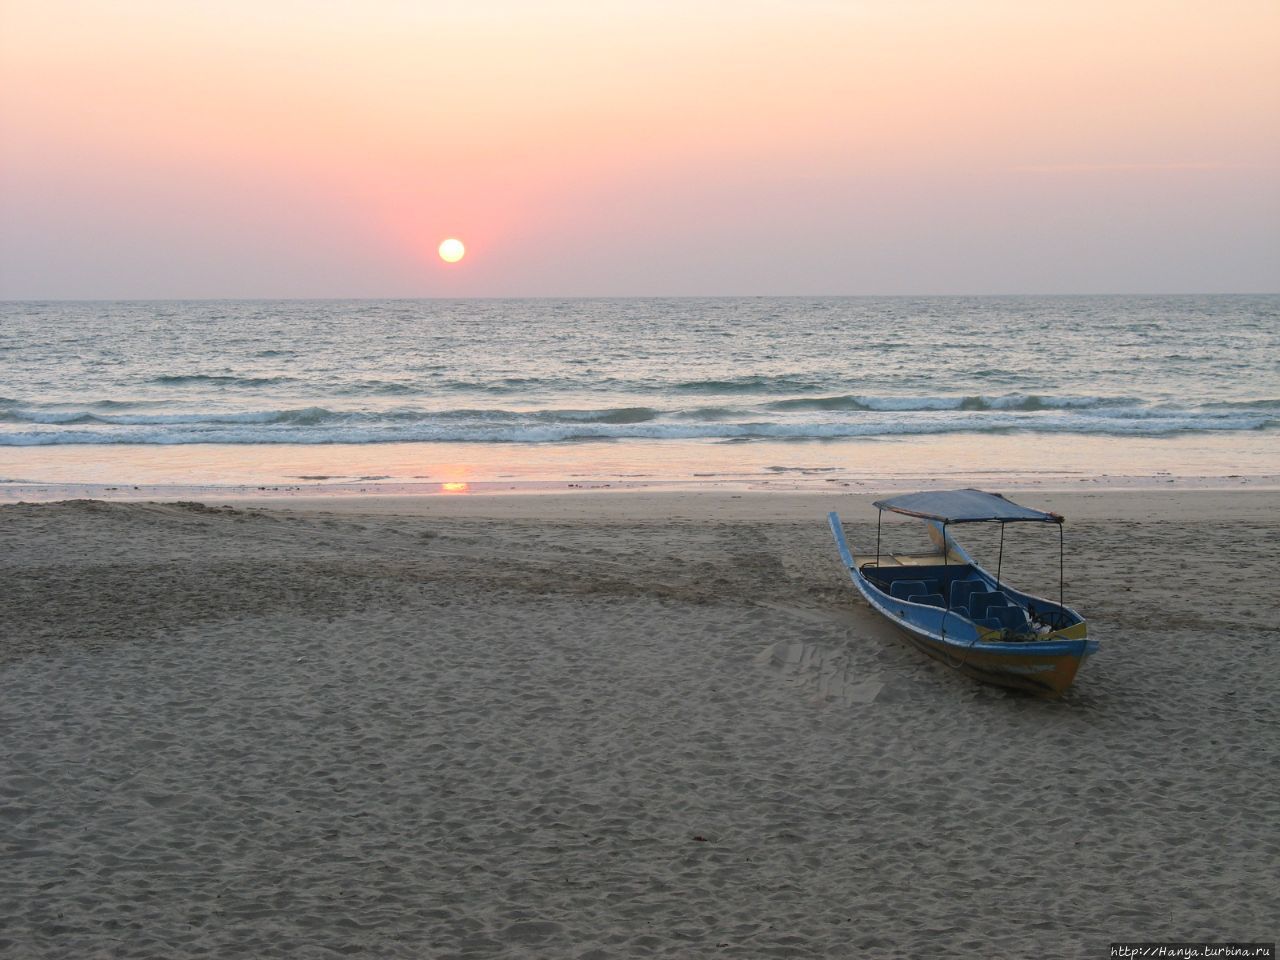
(542, 393)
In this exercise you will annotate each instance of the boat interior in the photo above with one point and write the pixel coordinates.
(954, 587)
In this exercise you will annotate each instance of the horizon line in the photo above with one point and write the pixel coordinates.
(649, 296)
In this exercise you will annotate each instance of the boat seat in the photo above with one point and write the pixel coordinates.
(901, 589)
(991, 623)
(928, 599)
(980, 603)
(961, 590)
(1011, 618)
(961, 610)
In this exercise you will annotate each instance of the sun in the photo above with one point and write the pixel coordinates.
(452, 250)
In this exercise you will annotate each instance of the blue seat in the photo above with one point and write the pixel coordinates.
(991, 623)
(980, 603)
(929, 599)
(1011, 618)
(962, 589)
(931, 586)
(961, 610)
(901, 589)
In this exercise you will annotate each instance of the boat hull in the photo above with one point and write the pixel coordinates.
(1045, 674)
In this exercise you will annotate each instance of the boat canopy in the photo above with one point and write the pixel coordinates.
(963, 506)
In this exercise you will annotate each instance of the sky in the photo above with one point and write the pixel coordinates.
(324, 148)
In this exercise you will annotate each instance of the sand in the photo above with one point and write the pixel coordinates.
(618, 725)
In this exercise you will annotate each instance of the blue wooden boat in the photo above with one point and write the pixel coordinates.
(961, 614)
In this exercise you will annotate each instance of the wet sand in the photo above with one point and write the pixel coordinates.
(618, 725)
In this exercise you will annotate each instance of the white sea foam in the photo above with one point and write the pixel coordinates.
(360, 429)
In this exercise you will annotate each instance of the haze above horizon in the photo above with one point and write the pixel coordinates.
(298, 150)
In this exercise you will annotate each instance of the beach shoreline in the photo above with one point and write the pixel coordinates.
(318, 494)
(33, 476)
(585, 725)
(1014, 461)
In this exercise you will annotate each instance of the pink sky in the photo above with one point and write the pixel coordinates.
(241, 149)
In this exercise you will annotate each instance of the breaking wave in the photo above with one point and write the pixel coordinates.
(821, 418)
(1013, 401)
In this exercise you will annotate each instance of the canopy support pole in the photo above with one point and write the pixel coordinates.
(1000, 559)
(946, 586)
(1062, 607)
(879, 517)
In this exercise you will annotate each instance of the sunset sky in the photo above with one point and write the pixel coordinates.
(315, 149)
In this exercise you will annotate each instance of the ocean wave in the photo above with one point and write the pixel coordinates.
(318, 416)
(844, 412)
(610, 415)
(528, 429)
(748, 384)
(218, 379)
(1027, 403)
(1244, 405)
(711, 413)
(388, 388)
(127, 404)
(308, 416)
(505, 386)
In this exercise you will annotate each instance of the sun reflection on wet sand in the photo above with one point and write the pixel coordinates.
(456, 486)
(1052, 463)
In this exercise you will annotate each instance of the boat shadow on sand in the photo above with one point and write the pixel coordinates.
(850, 658)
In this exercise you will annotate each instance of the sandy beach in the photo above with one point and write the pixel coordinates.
(634, 724)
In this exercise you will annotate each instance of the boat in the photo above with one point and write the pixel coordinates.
(959, 613)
